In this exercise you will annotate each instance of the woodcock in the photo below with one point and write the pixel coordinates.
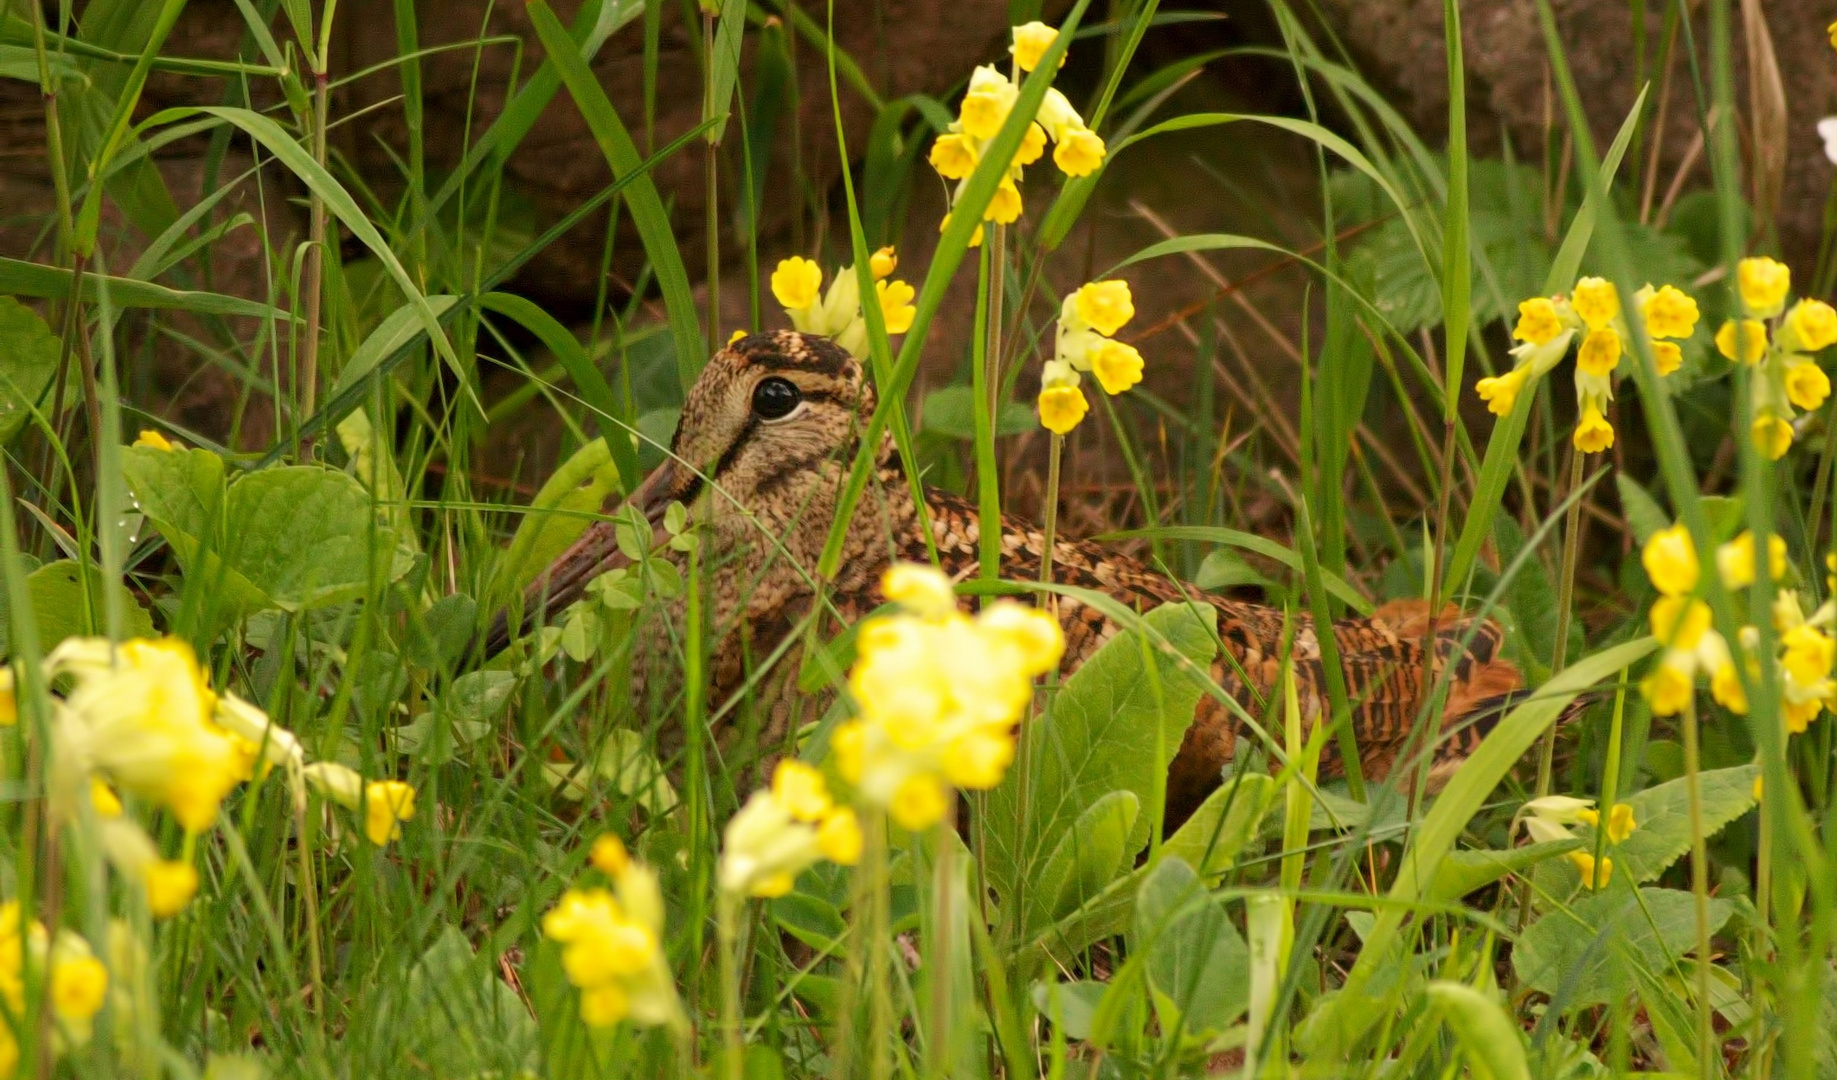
(767, 435)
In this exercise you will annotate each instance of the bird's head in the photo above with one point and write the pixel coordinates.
(770, 422)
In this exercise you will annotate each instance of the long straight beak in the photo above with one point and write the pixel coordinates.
(597, 551)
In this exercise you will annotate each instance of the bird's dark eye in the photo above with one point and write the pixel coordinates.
(774, 398)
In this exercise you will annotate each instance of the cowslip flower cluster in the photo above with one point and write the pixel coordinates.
(938, 694)
(1592, 314)
(797, 283)
(78, 981)
(784, 829)
(1087, 319)
(1077, 150)
(140, 719)
(1548, 818)
(1777, 342)
(1804, 653)
(611, 943)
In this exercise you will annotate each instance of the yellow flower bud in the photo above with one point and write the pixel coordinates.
(1772, 436)
(1030, 44)
(883, 262)
(154, 440)
(1725, 687)
(734, 337)
(1807, 385)
(1593, 433)
(1538, 321)
(922, 590)
(796, 281)
(1117, 367)
(1667, 357)
(1763, 284)
(1752, 344)
(1062, 408)
(609, 856)
(1501, 391)
(1670, 312)
(1105, 306)
(78, 987)
(1595, 302)
(1620, 821)
(1670, 559)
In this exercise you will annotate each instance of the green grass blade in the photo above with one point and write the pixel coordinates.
(20, 277)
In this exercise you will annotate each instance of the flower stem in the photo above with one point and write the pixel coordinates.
(710, 177)
(937, 1035)
(727, 926)
(1699, 889)
(1565, 610)
(1050, 514)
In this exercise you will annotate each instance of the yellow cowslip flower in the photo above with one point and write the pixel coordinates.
(1500, 392)
(1595, 873)
(610, 951)
(1735, 560)
(938, 694)
(1667, 357)
(1600, 351)
(1062, 408)
(1725, 687)
(9, 698)
(387, 804)
(1807, 385)
(1117, 367)
(985, 107)
(1105, 306)
(796, 281)
(1620, 821)
(155, 440)
(1670, 559)
(975, 237)
(1669, 311)
(896, 306)
(1667, 688)
(1538, 321)
(608, 855)
(782, 831)
(911, 586)
(1595, 302)
(1033, 145)
(1005, 207)
(734, 337)
(1763, 284)
(1751, 347)
(1079, 153)
(883, 262)
(1800, 714)
(143, 715)
(103, 798)
(1593, 433)
(79, 985)
(1809, 653)
(170, 885)
(1772, 436)
(1679, 621)
(1030, 44)
(1810, 325)
(954, 155)
(1832, 31)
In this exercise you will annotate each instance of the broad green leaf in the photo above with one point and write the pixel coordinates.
(479, 695)
(1489, 1037)
(624, 763)
(182, 493)
(562, 510)
(28, 360)
(1100, 737)
(307, 537)
(376, 471)
(950, 412)
(1662, 815)
(1574, 954)
(459, 1018)
(1196, 957)
(1072, 1006)
(67, 601)
(1642, 510)
(1086, 859)
(1210, 840)
(1251, 542)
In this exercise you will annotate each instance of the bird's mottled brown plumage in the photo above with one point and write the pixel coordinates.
(768, 489)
